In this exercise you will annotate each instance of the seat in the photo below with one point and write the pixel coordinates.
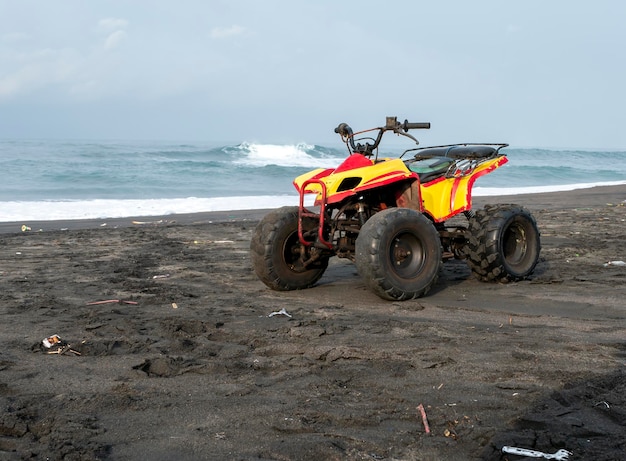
(457, 151)
(430, 168)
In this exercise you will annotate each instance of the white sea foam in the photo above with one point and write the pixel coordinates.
(490, 191)
(104, 208)
(287, 155)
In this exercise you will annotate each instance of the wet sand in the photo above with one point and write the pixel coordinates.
(189, 363)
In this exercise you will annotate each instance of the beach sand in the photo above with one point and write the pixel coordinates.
(191, 365)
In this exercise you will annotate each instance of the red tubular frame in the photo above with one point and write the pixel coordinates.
(303, 212)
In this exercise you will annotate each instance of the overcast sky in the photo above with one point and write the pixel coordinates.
(532, 73)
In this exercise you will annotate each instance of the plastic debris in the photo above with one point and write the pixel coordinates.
(161, 276)
(559, 455)
(56, 345)
(174, 306)
(146, 222)
(25, 228)
(615, 263)
(420, 408)
(605, 403)
(280, 312)
(51, 341)
(111, 301)
(153, 223)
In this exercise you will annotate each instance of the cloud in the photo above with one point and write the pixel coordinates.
(513, 29)
(115, 28)
(13, 83)
(14, 37)
(113, 23)
(225, 32)
(114, 39)
(39, 69)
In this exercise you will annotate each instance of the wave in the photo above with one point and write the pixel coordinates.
(532, 175)
(491, 191)
(70, 179)
(104, 208)
(285, 155)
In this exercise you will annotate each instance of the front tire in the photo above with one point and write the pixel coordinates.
(276, 252)
(398, 254)
(503, 243)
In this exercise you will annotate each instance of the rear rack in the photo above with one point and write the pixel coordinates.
(457, 160)
(444, 150)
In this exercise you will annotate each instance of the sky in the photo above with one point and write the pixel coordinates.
(533, 73)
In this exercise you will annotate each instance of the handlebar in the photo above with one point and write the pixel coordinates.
(406, 126)
(392, 124)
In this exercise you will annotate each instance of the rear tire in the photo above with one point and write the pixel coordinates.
(275, 251)
(503, 243)
(398, 254)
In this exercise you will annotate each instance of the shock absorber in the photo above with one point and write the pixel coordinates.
(361, 212)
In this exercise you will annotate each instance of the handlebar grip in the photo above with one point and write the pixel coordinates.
(343, 129)
(406, 126)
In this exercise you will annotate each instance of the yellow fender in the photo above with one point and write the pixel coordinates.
(353, 176)
(445, 197)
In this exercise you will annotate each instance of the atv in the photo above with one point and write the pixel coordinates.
(393, 218)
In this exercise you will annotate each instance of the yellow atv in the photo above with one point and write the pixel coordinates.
(389, 216)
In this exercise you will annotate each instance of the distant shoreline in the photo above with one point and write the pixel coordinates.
(107, 209)
(614, 195)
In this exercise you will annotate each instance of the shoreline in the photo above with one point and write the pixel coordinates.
(568, 199)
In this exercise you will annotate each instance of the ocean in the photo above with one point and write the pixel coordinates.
(51, 179)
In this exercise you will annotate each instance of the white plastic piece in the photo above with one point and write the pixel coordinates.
(560, 455)
(615, 263)
(280, 312)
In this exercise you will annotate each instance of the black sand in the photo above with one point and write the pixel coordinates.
(194, 367)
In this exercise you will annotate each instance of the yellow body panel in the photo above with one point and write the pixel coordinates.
(446, 197)
(311, 188)
(441, 198)
(350, 181)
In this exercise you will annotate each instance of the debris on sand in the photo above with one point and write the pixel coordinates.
(615, 263)
(280, 312)
(559, 455)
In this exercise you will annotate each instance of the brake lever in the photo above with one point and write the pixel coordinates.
(399, 131)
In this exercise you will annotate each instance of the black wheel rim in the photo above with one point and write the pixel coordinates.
(515, 244)
(406, 255)
(291, 253)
